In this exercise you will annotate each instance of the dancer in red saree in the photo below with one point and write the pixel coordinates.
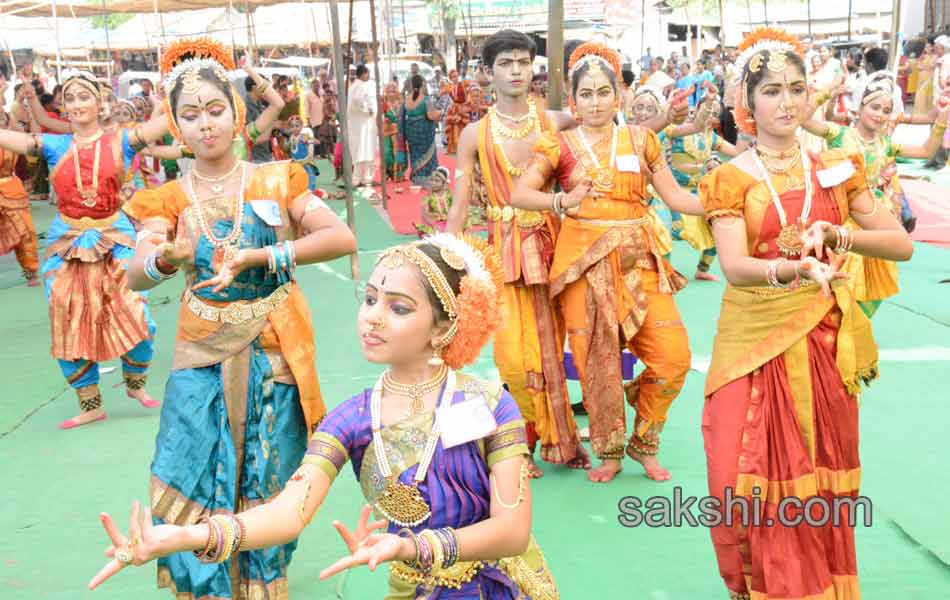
(792, 347)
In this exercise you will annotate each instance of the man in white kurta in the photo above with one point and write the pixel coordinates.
(361, 127)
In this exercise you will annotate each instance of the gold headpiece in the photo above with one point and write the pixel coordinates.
(83, 79)
(779, 44)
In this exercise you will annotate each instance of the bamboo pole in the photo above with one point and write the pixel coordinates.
(374, 49)
(343, 96)
(59, 54)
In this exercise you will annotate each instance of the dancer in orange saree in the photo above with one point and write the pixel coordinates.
(780, 418)
(17, 232)
(529, 345)
(608, 276)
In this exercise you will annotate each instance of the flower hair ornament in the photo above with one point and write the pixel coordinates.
(598, 57)
(475, 312)
(183, 61)
(653, 92)
(778, 43)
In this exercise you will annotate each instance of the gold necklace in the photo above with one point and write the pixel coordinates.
(216, 182)
(501, 130)
(414, 391)
(86, 141)
(603, 175)
(401, 503)
(789, 240)
(224, 248)
(89, 195)
(778, 154)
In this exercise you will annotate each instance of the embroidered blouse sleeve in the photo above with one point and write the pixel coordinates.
(158, 204)
(510, 439)
(653, 152)
(335, 439)
(857, 184)
(721, 194)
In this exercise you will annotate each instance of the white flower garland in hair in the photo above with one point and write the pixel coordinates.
(187, 65)
(474, 265)
(770, 45)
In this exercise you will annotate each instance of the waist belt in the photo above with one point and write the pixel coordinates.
(615, 222)
(239, 311)
(454, 577)
(505, 214)
(89, 223)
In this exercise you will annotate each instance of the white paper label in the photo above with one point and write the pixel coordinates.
(466, 421)
(837, 174)
(268, 211)
(628, 163)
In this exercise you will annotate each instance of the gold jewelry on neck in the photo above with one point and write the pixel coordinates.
(89, 195)
(415, 391)
(224, 248)
(499, 129)
(81, 141)
(217, 185)
(778, 154)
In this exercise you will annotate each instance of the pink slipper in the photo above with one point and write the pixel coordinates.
(71, 423)
(150, 403)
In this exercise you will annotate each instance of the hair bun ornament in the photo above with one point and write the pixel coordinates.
(195, 48)
(478, 312)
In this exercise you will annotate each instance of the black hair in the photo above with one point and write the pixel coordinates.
(47, 100)
(628, 77)
(16, 88)
(584, 68)
(875, 59)
(753, 79)
(361, 70)
(249, 84)
(569, 47)
(505, 40)
(205, 74)
(416, 82)
(453, 277)
(538, 77)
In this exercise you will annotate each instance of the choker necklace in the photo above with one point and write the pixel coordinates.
(520, 119)
(414, 391)
(778, 154)
(217, 185)
(86, 141)
(401, 503)
(789, 238)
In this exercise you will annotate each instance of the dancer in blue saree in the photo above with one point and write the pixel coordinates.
(243, 395)
(440, 455)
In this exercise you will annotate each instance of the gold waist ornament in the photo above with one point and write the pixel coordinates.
(240, 311)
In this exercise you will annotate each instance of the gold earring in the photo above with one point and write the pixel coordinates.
(436, 360)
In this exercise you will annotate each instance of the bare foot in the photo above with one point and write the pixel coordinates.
(534, 471)
(706, 276)
(143, 397)
(605, 473)
(581, 461)
(33, 281)
(651, 465)
(90, 416)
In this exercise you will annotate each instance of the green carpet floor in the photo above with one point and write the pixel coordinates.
(57, 482)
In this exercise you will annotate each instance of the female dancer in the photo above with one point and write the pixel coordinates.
(926, 63)
(418, 122)
(243, 393)
(780, 418)
(439, 454)
(93, 313)
(608, 274)
(872, 279)
(394, 146)
(17, 232)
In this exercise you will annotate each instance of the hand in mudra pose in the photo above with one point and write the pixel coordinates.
(366, 547)
(144, 543)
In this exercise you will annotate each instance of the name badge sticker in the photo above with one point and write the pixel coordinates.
(466, 421)
(837, 174)
(268, 211)
(628, 163)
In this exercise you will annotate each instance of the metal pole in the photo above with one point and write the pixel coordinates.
(748, 10)
(250, 42)
(349, 43)
(809, 18)
(895, 27)
(643, 29)
(555, 49)
(342, 96)
(722, 27)
(59, 54)
(765, 7)
(849, 20)
(374, 49)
